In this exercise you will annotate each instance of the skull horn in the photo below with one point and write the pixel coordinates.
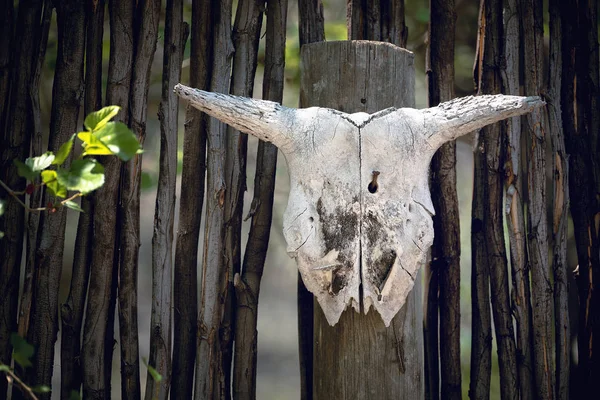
(267, 120)
(455, 118)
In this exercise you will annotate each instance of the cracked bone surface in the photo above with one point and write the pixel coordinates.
(359, 208)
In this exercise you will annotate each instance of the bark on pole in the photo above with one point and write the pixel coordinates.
(489, 161)
(311, 29)
(247, 283)
(515, 219)
(145, 36)
(481, 328)
(185, 279)
(209, 379)
(359, 357)
(15, 136)
(560, 167)
(67, 94)
(446, 244)
(6, 59)
(534, 127)
(164, 216)
(73, 309)
(246, 35)
(380, 20)
(582, 144)
(104, 257)
(35, 200)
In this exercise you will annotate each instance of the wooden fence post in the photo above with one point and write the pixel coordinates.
(359, 357)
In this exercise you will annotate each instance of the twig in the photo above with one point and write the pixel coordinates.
(76, 195)
(11, 375)
(13, 194)
(40, 209)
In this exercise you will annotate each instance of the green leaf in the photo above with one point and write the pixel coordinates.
(98, 119)
(84, 176)
(72, 205)
(92, 145)
(50, 178)
(4, 368)
(25, 170)
(40, 163)
(64, 151)
(41, 389)
(33, 165)
(119, 139)
(22, 351)
(156, 377)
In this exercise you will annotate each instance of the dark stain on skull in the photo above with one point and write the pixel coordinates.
(372, 228)
(379, 268)
(339, 230)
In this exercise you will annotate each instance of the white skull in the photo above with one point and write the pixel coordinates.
(359, 210)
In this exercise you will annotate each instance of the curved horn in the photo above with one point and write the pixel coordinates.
(458, 117)
(267, 120)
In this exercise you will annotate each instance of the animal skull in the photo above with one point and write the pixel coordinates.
(358, 220)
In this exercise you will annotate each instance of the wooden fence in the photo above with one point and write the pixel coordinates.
(535, 173)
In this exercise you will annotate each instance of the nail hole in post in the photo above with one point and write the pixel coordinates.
(373, 186)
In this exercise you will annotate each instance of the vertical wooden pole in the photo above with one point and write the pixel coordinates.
(311, 29)
(359, 357)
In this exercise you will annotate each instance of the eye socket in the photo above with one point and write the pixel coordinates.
(373, 185)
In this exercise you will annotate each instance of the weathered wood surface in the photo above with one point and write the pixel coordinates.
(331, 193)
(104, 253)
(445, 253)
(185, 275)
(245, 37)
(248, 281)
(514, 210)
(489, 164)
(311, 29)
(67, 91)
(581, 123)
(17, 70)
(380, 20)
(359, 357)
(72, 311)
(210, 371)
(535, 130)
(560, 214)
(176, 32)
(145, 31)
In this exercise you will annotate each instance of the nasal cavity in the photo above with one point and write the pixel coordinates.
(373, 185)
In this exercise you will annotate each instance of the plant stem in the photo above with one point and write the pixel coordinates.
(40, 209)
(12, 193)
(76, 195)
(11, 375)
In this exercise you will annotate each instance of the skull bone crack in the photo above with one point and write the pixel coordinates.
(359, 209)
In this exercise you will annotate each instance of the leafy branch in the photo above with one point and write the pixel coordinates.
(101, 137)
